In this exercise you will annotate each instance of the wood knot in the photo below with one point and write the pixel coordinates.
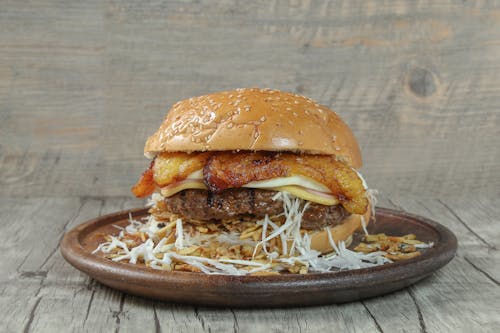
(422, 82)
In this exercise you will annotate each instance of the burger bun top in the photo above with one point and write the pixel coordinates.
(254, 119)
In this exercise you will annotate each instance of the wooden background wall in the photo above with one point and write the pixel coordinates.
(83, 84)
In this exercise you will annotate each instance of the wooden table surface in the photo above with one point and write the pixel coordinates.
(83, 83)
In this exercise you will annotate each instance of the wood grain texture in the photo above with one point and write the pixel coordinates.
(440, 312)
(82, 84)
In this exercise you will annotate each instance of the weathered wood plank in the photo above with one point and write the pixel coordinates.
(416, 80)
(395, 312)
(84, 304)
(35, 227)
(462, 284)
(18, 312)
(477, 216)
(351, 317)
(83, 83)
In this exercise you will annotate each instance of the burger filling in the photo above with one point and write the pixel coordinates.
(317, 178)
(201, 206)
(244, 213)
(250, 213)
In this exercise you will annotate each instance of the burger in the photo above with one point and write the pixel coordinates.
(248, 181)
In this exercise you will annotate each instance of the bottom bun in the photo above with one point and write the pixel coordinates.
(341, 232)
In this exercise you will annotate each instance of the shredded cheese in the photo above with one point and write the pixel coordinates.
(363, 224)
(179, 233)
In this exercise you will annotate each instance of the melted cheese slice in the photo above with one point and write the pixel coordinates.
(301, 187)
(170, 190)
(287, 181)
(307, 194)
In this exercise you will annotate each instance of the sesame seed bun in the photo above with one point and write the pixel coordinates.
(254, 119)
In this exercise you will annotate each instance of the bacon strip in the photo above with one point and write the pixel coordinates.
(228, 170)
(146, 185)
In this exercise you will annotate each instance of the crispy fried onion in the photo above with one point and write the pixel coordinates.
(146, 185)
(223, 170)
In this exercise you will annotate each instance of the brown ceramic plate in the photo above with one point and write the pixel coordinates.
(262, 291)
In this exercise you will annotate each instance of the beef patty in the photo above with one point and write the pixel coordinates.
(234, 203)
